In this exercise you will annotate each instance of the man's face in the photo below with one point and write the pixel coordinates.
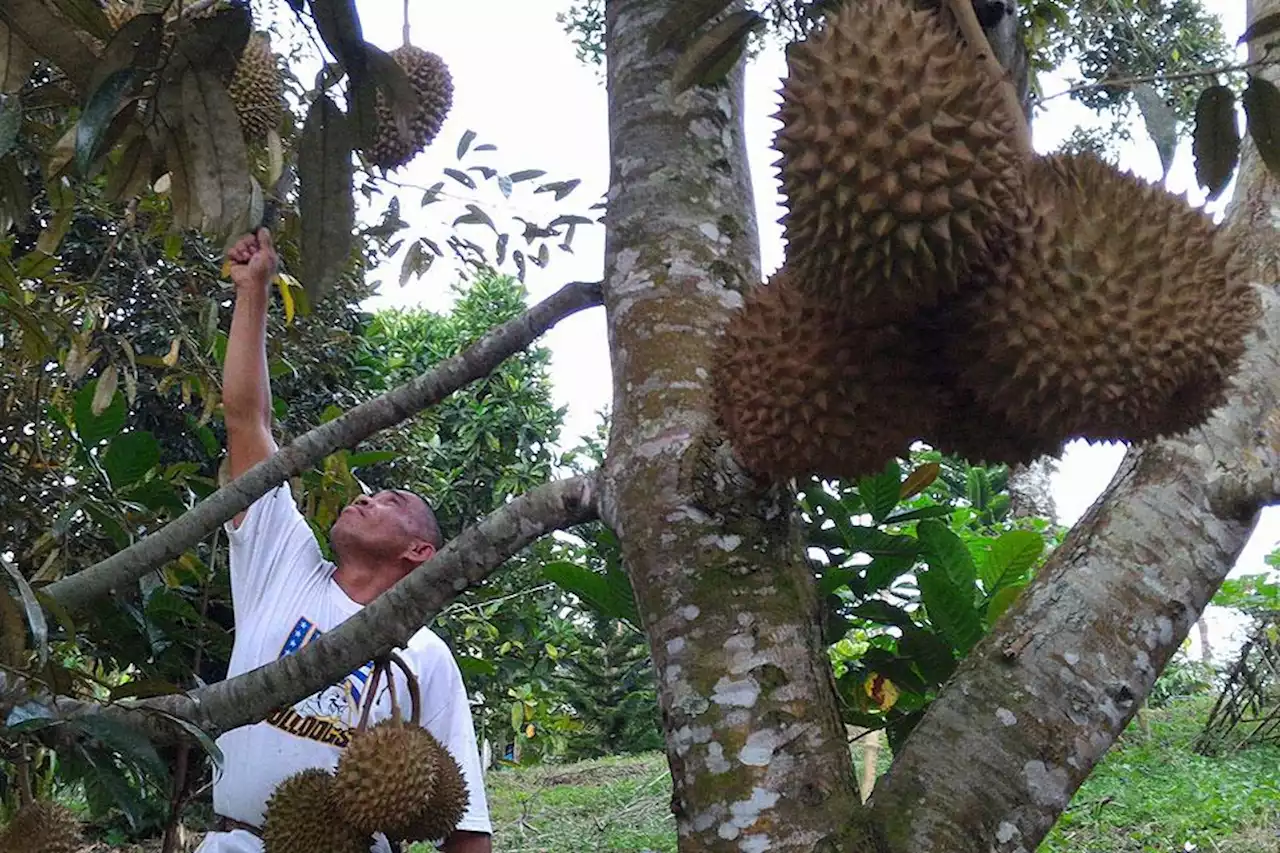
(389, 525)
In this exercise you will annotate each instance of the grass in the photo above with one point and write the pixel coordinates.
(1151, 794)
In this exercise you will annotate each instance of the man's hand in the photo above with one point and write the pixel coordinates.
(253, 262)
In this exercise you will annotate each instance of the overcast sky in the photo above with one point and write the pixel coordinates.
(519, 85)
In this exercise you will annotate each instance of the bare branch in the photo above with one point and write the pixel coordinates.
(124, 568)
(1159, 78)
(52, 37)
(385, 623)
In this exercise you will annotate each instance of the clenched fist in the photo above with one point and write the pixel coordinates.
(253, 262)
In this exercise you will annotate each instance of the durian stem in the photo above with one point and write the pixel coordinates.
(971, 29)
(415, 692)
(391, 687)
(371, 696)
(406, 23)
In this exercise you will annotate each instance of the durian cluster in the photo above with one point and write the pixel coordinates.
(395, 778)
(41, 826)
(942, 285)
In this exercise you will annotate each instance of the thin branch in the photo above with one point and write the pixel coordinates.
(1156, 78)
(962, 11)
(386, 622)
(119, 571)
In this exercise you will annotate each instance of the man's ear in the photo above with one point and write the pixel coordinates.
(420, 551)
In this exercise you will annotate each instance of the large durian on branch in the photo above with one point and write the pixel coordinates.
(897, 158)
(433, 91)
(800, 390)
(301, 818)
(257, 89)
(1125, 320)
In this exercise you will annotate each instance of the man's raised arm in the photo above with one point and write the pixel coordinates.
(246, 385)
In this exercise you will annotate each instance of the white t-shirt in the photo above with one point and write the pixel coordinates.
(284, 596)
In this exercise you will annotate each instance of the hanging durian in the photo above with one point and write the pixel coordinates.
(1125, 322)
(257, 89)
(800, 390)
(386, 777)
(433, 89)
(300, 818)
(897, 159)
(448, 802)
(41, 826)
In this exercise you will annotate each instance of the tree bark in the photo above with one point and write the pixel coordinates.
(78, 591)
(1038, 703)
(754, 739)
(385, 623)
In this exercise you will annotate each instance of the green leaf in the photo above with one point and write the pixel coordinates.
(125, 740)
(326, 204)
(1261, 102)
(599, 592)
(208, 744)
(465, 142)
(884, 570)
(978, 488)
(104, 103)
(931, 654)
(1010, 558)
(882, 492)
(1001, 600)
(371, 457)
(108, 783)
(1216, 142)
(883, 613)
(919, 514)
(876, 543)
(92, 428)
(710, 58)
(35, 616)
(525, 175)
(130, 456)
(474, 667)
(944, 550)
(950, 608)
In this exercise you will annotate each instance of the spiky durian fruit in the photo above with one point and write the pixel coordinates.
(257, 89)
(300, 818)
(800, 390)
(448, 801)
(41, 827)
(386, 777)
(896, 158)
(1125, 322)
(433, 87)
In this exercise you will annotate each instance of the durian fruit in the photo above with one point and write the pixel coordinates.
(448, 801)
(1125, 321)
(257, 89)
(386, 777)
(41, 826)
(300, 818)
(800, 390)
(896, 159)
(433, 86)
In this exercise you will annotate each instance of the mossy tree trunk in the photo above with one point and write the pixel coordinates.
(754, 738)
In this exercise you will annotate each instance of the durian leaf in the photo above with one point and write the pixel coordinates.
(876, 543)
(881, 492)
(465, 142)
(1161, 122)
(919, 514)
(219, 159)
(325, 200)
(88, 16)
(130, 456)
(884, 570)
(125, 740)
(684, 19)
(99, 113)
(931, 654)
(608, 594)
(950, 609)
(35, 616)
(1264, 26)
(92, 426)
(338, 23)
(710, 58)
(1216, 141)
(883, 613)
(10, 121)
(1261, 102)
(944, 550)
(131, 175)
(16, 61)
(978, 488)
(134, 46)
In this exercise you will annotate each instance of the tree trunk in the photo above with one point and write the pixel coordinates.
(1031, 490)
(1038, 703)
(754, 738)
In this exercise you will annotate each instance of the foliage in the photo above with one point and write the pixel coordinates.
(914, 570)
(1256, 595)
(1181, 679)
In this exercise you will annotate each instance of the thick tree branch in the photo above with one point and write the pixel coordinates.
(118, 571)
(1038, 703)
(50, 36)
(385, 623)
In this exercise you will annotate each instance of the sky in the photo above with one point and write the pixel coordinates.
(520, 87)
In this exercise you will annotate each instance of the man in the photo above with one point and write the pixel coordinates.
(285, 594)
